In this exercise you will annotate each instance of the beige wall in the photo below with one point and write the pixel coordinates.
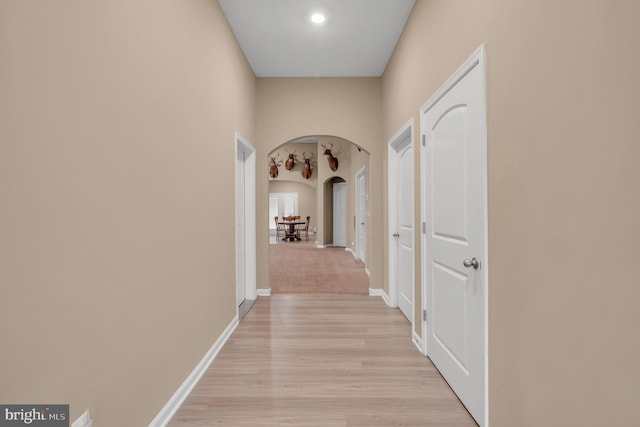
(349, 108)
(564, 204)
(117, 123)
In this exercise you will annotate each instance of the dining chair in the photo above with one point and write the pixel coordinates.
(304, 231)
(280, 230)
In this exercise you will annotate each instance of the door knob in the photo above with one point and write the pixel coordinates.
(473, 262)
(396, 234)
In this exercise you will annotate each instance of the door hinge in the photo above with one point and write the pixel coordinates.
(424, 315)
(424, 140)
(424, 228)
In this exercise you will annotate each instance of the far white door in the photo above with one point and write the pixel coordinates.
(453, 124)
(240, 229)
(401, 222)
(274, 211)
(361, 215)
(340, 214)
(281, 205)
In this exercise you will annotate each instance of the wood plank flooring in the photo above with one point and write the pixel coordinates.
(321, 360)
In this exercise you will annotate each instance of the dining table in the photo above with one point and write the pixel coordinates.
(291, 230)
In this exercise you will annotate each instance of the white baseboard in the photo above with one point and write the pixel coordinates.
(170, 408)
(320, 246)
(367, 272)
(417, 340)
(264, 292)
(381, 293)
(375, 292)
(352, 252)
(385, 297)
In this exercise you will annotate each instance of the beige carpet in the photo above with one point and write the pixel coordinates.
(300, 267)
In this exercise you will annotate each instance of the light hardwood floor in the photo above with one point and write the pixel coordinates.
(321, 360)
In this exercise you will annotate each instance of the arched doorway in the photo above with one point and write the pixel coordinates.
(327, 196)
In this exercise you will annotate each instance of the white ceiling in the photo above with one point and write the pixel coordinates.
(279, 39)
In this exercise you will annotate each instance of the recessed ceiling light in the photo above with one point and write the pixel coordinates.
(317, 18)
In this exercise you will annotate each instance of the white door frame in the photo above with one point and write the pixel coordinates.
(476, 59)
(361, 247)
(250, 213)
(392, 159)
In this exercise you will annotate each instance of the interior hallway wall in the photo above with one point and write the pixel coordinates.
(350, 108)
(564, 204)
(117, 123)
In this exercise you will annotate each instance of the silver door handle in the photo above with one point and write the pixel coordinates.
(473, 262)
(396, 234)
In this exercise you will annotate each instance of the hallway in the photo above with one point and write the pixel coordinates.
(321, 360)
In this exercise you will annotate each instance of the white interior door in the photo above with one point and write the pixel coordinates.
(455, 204)
(361, 215)
(404, 228)
(400, 225)
(290, 205)
(340, 214)
(240, 228)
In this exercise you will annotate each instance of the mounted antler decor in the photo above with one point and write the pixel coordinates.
(291, 161)
(306, 169)
(333, 162)
(273, 165)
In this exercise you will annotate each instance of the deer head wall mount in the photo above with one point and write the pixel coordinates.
(333, 162)
(291, 161)
(274, 163)
(306, 169)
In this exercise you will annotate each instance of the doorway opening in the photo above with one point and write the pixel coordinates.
(245, 191)
(335, 212)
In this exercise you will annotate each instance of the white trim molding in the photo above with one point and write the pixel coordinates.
(367, 272)
(385, 298)
(382, 294)
(352, 252)
(264, 292)
(170, 408)
(417, 340)
(83, 420)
